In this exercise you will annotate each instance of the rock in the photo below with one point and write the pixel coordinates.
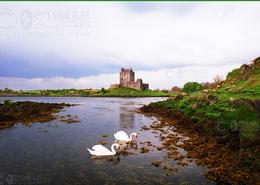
(159, 147)
(156, 163)
(70, 120)
(102, 142)
(148, 143)
(145, 127)
(144, 150)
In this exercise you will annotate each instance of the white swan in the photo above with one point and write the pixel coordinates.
(100, 150)
(122, 136)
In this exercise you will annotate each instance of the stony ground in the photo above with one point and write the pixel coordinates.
(227, 162)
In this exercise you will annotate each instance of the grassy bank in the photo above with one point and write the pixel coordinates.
(225, 120)
(116, 92)
(128, 92)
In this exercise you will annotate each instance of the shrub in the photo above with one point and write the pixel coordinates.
(176, 89)
(218, 79)
(164, 91)
(192, 87)
(103, 90)
(206, 85)
(7, 102)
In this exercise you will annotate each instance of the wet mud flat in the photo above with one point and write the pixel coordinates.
(27, 113)
(225, 161)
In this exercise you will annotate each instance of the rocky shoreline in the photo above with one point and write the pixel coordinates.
(27, 113)
(226, 161)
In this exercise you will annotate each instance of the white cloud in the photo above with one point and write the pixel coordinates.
(172, 35)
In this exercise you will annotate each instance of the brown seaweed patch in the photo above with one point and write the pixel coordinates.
(144, 150)
(102, 142)
(68, 118)
(145, 127)
(156, 163)
(226, 160)
(27, 112)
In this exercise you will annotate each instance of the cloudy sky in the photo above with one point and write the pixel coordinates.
(84, 44)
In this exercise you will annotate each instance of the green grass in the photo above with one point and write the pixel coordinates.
(128, 92)
(233, 108)
(115, 92)
(222, 112)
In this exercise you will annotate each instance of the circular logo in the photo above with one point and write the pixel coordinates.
(7, 20)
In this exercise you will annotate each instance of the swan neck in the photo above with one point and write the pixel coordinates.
(131, 136)
(113, 149)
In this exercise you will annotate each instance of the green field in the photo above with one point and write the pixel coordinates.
(116, 92)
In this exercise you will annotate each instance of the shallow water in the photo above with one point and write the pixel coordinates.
(55, 152)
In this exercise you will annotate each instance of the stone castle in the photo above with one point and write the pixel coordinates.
(127, 79)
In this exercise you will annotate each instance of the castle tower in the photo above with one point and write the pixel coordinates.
(127, 76)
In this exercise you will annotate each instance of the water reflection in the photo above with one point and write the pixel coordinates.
(127, 115)
(100, 159)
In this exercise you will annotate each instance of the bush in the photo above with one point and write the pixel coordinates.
(218, 79)
(103, 90)
(206, 85)
(164, 91)
(7, 102)
(176, 89)
(192, 87)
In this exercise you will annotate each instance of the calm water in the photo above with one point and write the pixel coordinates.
(55, 152)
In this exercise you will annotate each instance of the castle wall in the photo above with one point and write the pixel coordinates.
(145, 86)
(114, 85)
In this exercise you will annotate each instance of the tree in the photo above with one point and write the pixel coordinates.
(103, 90)
(7, 89)
(192, 87)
